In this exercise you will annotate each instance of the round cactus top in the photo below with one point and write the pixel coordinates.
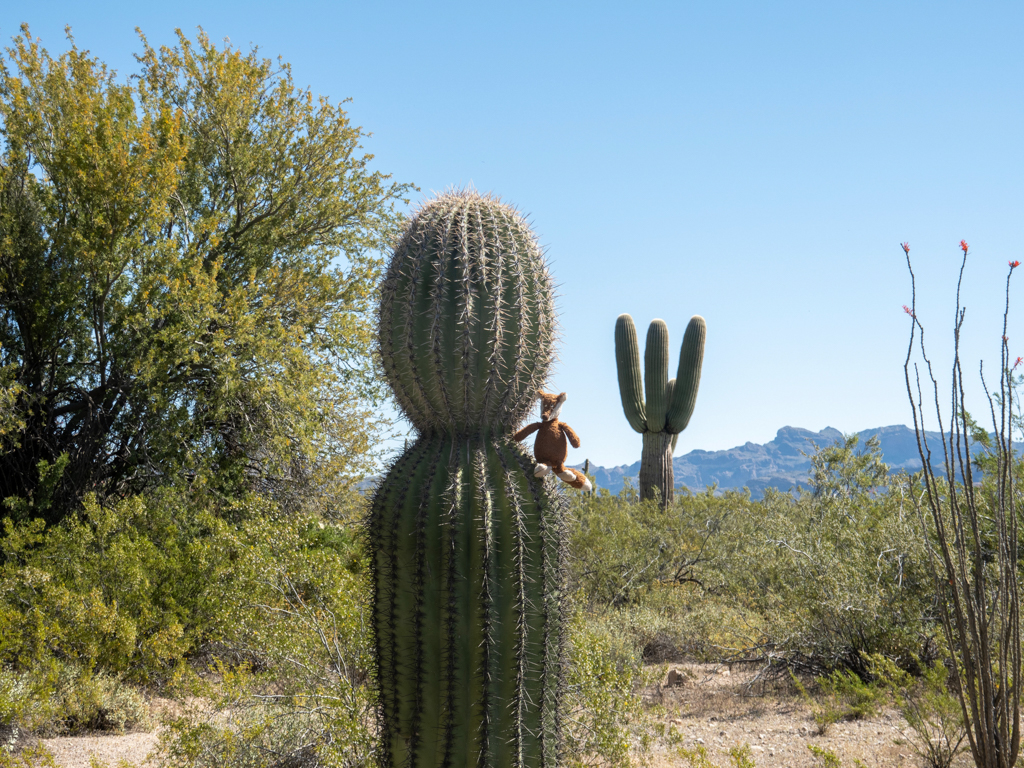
(466, 323)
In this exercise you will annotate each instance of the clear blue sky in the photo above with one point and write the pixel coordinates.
(755, 163)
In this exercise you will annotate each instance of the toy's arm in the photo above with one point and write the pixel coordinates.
(526, 431)
(573, 437)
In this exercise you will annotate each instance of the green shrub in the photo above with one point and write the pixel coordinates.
(825, 758)
(930, 709)
(62, 698)
(838, 572)
(604, 707)
(128, 588)
(842, 696)
(137, 591)
(34, 756)
(292, 654)
(623, 548)
(739, 757)
(809, 580)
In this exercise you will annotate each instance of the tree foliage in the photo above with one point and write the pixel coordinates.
(187, 261)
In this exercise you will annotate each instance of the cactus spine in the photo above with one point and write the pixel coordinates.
(467, 547)
(669, 403)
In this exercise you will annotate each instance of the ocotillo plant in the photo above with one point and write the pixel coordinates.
(467, 545)
(669, 402)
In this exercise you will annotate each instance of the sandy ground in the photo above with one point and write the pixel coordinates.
(715, 707)
(719, 708)
(77, 751)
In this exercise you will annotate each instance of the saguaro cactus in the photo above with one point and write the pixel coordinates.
(669, 402)
(467, 546)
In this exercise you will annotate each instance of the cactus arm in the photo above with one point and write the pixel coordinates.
(669, 390)
(691, 357)
(570, 433)
(627, 358)
(656, 374)
(526, 431)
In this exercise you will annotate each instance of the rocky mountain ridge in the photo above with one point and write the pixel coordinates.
(782, 463)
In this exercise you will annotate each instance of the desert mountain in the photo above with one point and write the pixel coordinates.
(782, 463)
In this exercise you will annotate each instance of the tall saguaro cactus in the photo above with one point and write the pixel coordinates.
(669, 403)
(467, 545)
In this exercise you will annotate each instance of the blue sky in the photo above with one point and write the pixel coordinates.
(755, 163)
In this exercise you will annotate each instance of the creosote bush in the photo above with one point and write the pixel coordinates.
(807, 581)
(149, 589)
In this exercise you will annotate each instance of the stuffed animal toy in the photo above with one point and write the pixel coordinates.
(550, 449)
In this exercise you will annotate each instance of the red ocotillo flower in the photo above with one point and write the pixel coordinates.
(1018, 362)
(1014, 264)
(906, 247)
(963, 246)
(909, 311)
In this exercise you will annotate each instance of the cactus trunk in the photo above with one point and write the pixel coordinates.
(467, 570)
(656, 477)
(466, 544)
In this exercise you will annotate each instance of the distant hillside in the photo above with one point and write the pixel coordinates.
(780, 463)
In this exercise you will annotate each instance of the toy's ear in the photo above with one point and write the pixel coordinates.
(556, 408)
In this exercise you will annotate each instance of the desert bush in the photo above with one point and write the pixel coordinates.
(623, 548)
(930, 709)
(807, 580)
(603, 705)
(291, 656)
(739, 757)
(128, 588)
(33, 756)
(837, 571)
(62, 698)
(143, 590)
(842, 695)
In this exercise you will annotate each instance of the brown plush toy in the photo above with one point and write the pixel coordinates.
(550, 449)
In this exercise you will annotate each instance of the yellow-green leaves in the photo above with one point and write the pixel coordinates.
(187, 260)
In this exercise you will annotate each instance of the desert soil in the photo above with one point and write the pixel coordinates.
(720, 708)
(715, 706)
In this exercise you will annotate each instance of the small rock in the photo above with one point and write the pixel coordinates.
(675, 679)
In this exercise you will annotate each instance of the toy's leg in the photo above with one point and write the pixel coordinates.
(575, 479)
(541, 470)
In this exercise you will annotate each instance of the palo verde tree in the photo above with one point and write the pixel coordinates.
(187, 262)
